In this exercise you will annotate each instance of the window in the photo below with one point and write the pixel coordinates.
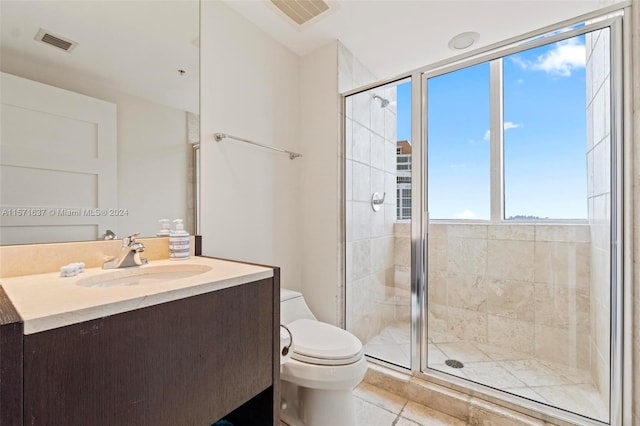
(537, 97)
(404, 201)
(458, 160)
(545, 132)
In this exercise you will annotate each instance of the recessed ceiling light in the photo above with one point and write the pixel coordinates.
(463, 40)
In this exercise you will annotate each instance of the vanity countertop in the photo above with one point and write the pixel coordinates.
(47, 301)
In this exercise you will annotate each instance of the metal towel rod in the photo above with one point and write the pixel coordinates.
(219, 136)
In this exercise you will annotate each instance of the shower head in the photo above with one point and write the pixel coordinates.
(383, 102)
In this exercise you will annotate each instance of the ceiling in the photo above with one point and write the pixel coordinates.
(391, 37)
(122, 48)
(119, 46)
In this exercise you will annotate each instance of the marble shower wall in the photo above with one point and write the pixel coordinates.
(599, 196)
(521, 288)
(370, 166)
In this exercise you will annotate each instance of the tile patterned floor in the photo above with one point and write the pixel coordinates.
(376, 407)
(513, 372)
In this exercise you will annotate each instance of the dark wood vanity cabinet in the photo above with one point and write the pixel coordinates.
(191, 361)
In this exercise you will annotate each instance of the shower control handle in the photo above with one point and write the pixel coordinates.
(377, 200)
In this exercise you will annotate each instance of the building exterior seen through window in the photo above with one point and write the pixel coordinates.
(403, 180)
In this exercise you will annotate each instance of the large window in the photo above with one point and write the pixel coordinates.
(458, 163)
(545, 132)
(538, 97)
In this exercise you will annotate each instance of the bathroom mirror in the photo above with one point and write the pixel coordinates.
(99, 118)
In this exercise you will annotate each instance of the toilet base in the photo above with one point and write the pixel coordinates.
(316, 407)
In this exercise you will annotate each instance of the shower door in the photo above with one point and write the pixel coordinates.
(521, 160)
(378, 200)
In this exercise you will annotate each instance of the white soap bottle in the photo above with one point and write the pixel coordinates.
(179, 242)
(165, 228)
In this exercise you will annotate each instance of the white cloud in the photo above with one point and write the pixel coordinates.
(520, 62)
(466, 214)
(507, 125)
(562, 59)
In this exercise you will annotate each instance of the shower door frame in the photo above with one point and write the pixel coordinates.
(618, 18)
(420, 230)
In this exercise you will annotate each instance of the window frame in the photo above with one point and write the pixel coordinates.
(496, 115)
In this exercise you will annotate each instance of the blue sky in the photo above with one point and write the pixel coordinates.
(545, 135)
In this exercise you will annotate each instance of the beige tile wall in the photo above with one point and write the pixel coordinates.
(402, 270)
(523, 288)
(370, 158)
(599, 199)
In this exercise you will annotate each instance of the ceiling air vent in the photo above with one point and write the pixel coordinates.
(301, 11)
(55, 40)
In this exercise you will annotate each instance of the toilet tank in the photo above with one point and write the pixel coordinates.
(293, 307)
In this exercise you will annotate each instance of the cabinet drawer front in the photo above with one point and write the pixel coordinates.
(186, 362)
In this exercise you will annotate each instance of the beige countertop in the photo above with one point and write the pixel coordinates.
(47, 301)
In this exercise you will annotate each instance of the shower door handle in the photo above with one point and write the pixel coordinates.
(425, 225)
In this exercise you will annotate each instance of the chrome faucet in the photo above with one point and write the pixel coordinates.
(129, 254)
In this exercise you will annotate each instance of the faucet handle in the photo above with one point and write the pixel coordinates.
(127, 241)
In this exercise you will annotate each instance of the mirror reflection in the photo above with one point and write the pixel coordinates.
(99, 118)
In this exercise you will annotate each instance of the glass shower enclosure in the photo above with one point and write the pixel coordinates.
(483, 224)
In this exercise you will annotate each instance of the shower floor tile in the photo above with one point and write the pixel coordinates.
(392, 344)
(583, 399)
(492, 374)
(534, 373)
(511, 371)
(463, 350)
(388, 352)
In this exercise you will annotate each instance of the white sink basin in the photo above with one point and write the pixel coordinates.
(143, 275)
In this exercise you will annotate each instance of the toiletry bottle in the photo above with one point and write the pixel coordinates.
(165, 228)
(179, 242)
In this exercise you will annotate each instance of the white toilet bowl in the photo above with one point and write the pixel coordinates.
(326, 365)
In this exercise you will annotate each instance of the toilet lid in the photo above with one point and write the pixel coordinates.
(315, 341)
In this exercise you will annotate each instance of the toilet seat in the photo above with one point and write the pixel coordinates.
(320, 343)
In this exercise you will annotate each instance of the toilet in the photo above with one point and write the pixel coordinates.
(327, 363)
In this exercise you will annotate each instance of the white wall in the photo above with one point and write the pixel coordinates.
(250, 196)
(153, 153)
(257, 205)
(319, 206)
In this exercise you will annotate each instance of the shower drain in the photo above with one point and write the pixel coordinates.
(454, 363)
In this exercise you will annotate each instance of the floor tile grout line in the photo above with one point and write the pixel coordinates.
(381, 407)
(395, 422)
